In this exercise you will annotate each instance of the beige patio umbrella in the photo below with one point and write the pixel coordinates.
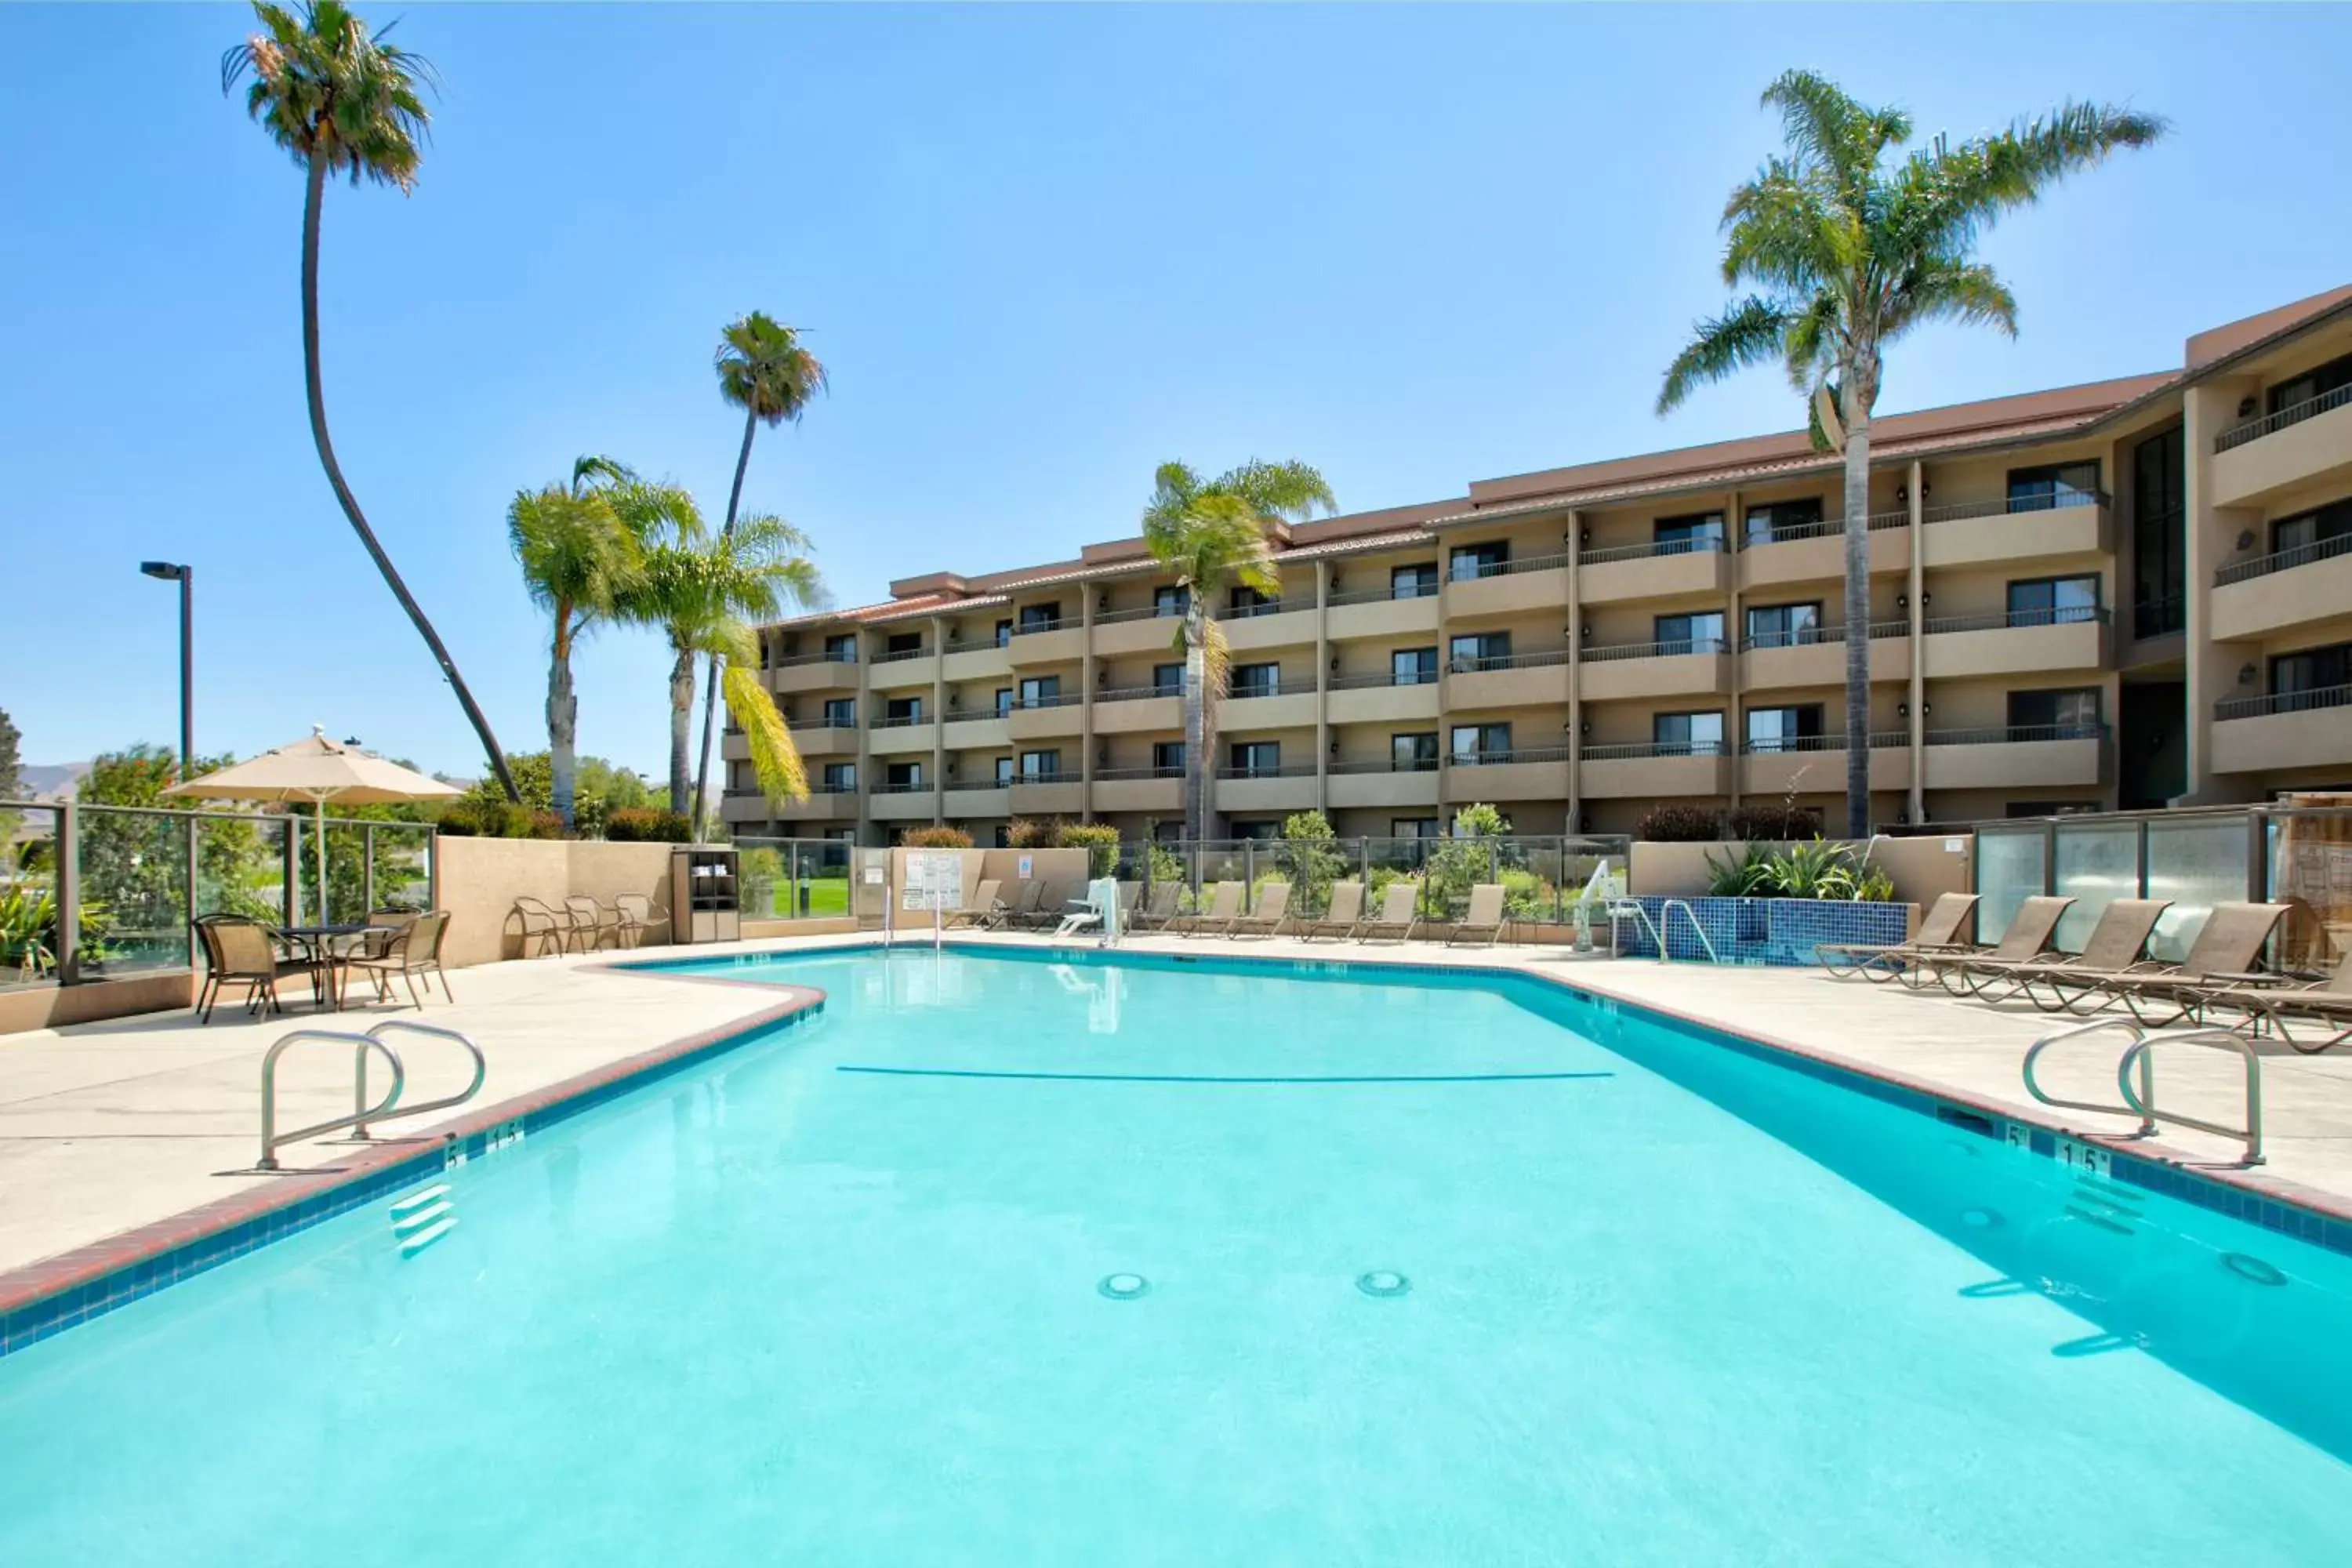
(318, 770)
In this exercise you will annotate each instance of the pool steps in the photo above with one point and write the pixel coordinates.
(422, 1218)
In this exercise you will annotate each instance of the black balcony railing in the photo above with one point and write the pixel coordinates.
(1042, 778)
(903, 786)
(897, 720)
(1704, 544)
(1116, 775)
(1472, 571)
(1776, 745)
(2015, 506)
(1139, 613)
(900, 656)
(798, 724)
(2271, 424)
(1271, 771)
(1468, 665)
(1054, 700)
(2284, 560)
(1655, 749)
(1673, 648)
(2158, 617)
(1413, 588)
(1262, 607)
(1044, 624)
(1136, 693)
(1499, 758)
(2016, 735)
(1383, 677)
(2010, 620)
(1385, 765)
(2310, 700)
(1288, 686)
(830, 655)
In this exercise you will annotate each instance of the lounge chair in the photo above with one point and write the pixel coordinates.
(1939, 931)
(1158, 909)
(1480, 925)
(2026, 940)
(984, 912)
(1397, 916)
(553, 927)
(1024, 902)
(1225, 908)
(591, 922)
(1340, 921)
(636, 912)
(241, 952)
(2112, 947)
(2322, 1009)
(414, 949)
(1273, 912)
(2224, 955)
(1047, 911)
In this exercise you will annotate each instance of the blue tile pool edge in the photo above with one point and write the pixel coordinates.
(253, 1219)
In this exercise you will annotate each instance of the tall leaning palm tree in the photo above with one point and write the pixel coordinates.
(343, 101)
(706, 596)
(581, 565)
(1845, 248)
(1211, 534)
(766, 371)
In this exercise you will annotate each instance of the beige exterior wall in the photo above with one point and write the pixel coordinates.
(480, 879)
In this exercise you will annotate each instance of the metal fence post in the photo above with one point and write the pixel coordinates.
(69, 853)
(432, 868)
(188, 909)
(292, 870)
(1249, 873)
(2258, 857)
(367, 869)
(1364, 865)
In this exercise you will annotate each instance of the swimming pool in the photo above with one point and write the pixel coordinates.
(1002, 1259)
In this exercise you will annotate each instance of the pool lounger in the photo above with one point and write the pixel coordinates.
(1939, 932)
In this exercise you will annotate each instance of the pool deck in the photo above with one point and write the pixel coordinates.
(105, 1127)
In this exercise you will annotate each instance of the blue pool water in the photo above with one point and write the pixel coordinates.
(1008, 1261)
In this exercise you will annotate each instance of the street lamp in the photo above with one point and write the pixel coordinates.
(185, 576)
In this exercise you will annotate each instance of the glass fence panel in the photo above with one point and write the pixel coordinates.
(2197, 862)
(241, 868)
(1310, 866)
(2009, 871)
(1386, 860)
(135, 891)
(2310, 859)
(28, 898)
(2097, 863)
(403, 874)
(1211, 864)
(765, 868)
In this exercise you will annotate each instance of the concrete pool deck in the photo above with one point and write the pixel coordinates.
(108, 1127)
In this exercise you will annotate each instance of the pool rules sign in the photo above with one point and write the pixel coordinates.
(934, 880)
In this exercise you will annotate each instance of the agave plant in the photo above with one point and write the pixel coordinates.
(1750, 875)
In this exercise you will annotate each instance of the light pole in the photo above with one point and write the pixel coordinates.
(185, 576)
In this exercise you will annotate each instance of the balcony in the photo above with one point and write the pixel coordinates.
(897, 737)
(1047, 794)
(817, 738)
(989, 661)
(2285, 729)
(1046, 718)
(1062, 641)
(2017, 642)
(1815, 764)
(2284, 591)
(1381, 613)
(1289, 706)
(1692, 667)
(2016, 527)
(1148, 628)
(1138, 711)
(897, 672)
(813, 672)
(976, 729)
(1523, 772)
(1816, 657)
(2296, 445)
(1815, 551)
(904, 803)
(1290, 787)
(1382, 781)
(2017, 757)
(821, 805)
(1278, 623)
(1382, 698)
(957, 804)
(1657, 770)
(1508, 681)
(1538, 583)
(1155, 790)
(1658, 569)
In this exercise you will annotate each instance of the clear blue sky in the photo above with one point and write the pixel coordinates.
(1041, 250)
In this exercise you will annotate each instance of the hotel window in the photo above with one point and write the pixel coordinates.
(1003, 700)
(1003, 633)
(1041, 767)
(1477, 650)
(1170, 599)
(1781, 520)
(1412, 666)
(1686, 734)
(897, 710)
(842, 647)
(1415, 582)
(1168, 832)
(1257, 832)
(2310, 679)
(2053, 715)
(763, 653)
(1257, 680)
(840, 778)
(1783, 728)
(1168, 679)
(1041, 690)
(1245, 601)
(1475, 561)
(2052, 486)
(1695, 531)
(1701, 632)
(2160, 536)
(1040, 618)
(1414, 828)
(903, 776)
(1003, 836)
(906, 642)
(1784, 626)
(2314, 531)
(1003, 772)
(2054, 601)
(1471, 743)
(1414, 754)
(1168, 756)
(1256, 759)
(2319, 382)
(841, 713)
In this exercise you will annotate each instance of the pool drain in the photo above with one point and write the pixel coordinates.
(1981, 1219)
(1124, 1287)
(1384, 1282)
(2253, 1268)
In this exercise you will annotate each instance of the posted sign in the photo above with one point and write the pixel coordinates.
(934, 880)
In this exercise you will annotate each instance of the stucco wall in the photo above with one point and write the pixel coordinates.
(480, 879)
(1922, 868)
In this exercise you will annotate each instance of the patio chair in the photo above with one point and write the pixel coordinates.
(982, 914)
(2321, 1007)
(1273, 912)
(1939, 931)
(1398, 916)
(591, 922)
(415, 949)
(1027, 891)
(1158, 909)
(1225, 908)
(2113, 946)
(1481, 924)
(1342, 919)
(2223, 955)
(551, 925)
(2026, 940)
(241, 952)
(636, 913)
(1046, 911)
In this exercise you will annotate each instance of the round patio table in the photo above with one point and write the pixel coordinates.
(318, 943)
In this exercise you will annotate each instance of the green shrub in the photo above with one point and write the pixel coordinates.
(645, 825)
(1816, 870)
(1310, 858)
(475, 818)
(1030, 832)
(1780, 819)
(1099, 840)
(936, 838)
(1679, 822)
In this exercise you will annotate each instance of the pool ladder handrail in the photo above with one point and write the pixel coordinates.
(1666, 917)
(2140, 1101)
(1629, 907)
(362, 1111)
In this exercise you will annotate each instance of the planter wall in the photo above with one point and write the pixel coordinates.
(1781, 932)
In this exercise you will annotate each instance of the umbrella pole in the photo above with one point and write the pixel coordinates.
(319, 809)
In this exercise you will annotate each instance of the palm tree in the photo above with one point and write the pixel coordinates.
(704, 595)
(579, 564)
(344, 101)
(1846, 252)
(765, 371)
(1212, 534)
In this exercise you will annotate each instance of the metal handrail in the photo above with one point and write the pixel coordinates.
(2283, 560)
(1699, 544)
(1665, 912)
(1673, 647)
(2017, 505)
(2309, 699)
(1374, 681)
(2293, 413)
(481, 1071)
(272, 1140)
(2011, 620)
(1340, 599)
(2141, 1102)
(1475, 571)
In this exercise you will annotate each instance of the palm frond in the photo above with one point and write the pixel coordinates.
(1216, 681)
(1946, 197)
(1293, 491)
(775, 761)
(1824, 126)
(764, 368)
(319, 83)
(1750, 333)
(1969, 293)
(1810, 341)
